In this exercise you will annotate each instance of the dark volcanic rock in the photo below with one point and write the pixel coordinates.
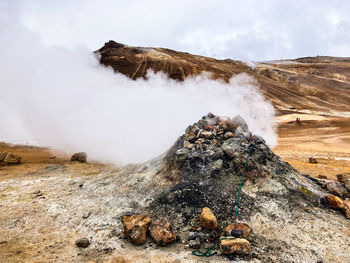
(207, 174)
(80, 157)
(82, 242)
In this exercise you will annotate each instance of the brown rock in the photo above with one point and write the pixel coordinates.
(82, 242)
(161, 232)
(343, 177)
(346, 205)
(3, 156)
(12, 159)
(334, 202)
(234, 246)
(347, 184)
(337, 189)
(208, 219)
(229, 135)
(80, 157)
(240, 226)
(191, 137)
(207, 134)
(322, 176)
(313, 160)
(227, 124)
(135, 228)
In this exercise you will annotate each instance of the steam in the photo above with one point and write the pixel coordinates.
(67, 100)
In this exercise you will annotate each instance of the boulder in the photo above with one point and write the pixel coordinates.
(230, 245)
(80, 157)
(343, 177)
(334, 202)
(245, 230)
(12, 159)
(135, 228)
(312, 160)
(82, 242)
(161, 232)
(208, 219)
(337, 189)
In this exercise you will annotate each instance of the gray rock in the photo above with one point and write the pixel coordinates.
(196, 243)
(80, 157)
(337, 189)
(240, 122)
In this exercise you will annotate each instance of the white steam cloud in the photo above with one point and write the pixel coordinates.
(70, 102)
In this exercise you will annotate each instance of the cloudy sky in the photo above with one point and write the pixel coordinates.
(249, 29)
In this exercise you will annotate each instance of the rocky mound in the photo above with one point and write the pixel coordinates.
(203, 169)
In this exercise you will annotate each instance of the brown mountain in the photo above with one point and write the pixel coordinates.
(313, 83)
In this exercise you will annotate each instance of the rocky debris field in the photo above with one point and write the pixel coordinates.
(169, 206)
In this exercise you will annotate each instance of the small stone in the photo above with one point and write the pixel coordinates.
(258, 139)
(207, 134)
(86, 215)
(239, 132)
(337, 189)
(239, 121)
(12, 159)
(346, 205)
(182, 151)
(240, 226)
(82, 242)
(188, 145)
(38, 193)
(3, 156)
(195, 235)
(199, 141)
(347, 184)
(135, 228)
(229, 135)
(80, 157)
(208, 219)
(227, 124)
(322, 176)
(196, 243)
(334, 202)
(312, 160)
(161, 232)
(191, 137)
(217, 165)
(343, 177)
(234, 246)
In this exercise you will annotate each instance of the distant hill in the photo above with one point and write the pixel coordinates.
(319, 84)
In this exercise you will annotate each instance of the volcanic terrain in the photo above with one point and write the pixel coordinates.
(48, 202)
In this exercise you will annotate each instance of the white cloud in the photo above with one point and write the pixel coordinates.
(250, 29)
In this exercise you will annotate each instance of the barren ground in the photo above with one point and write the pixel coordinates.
(43, 227)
